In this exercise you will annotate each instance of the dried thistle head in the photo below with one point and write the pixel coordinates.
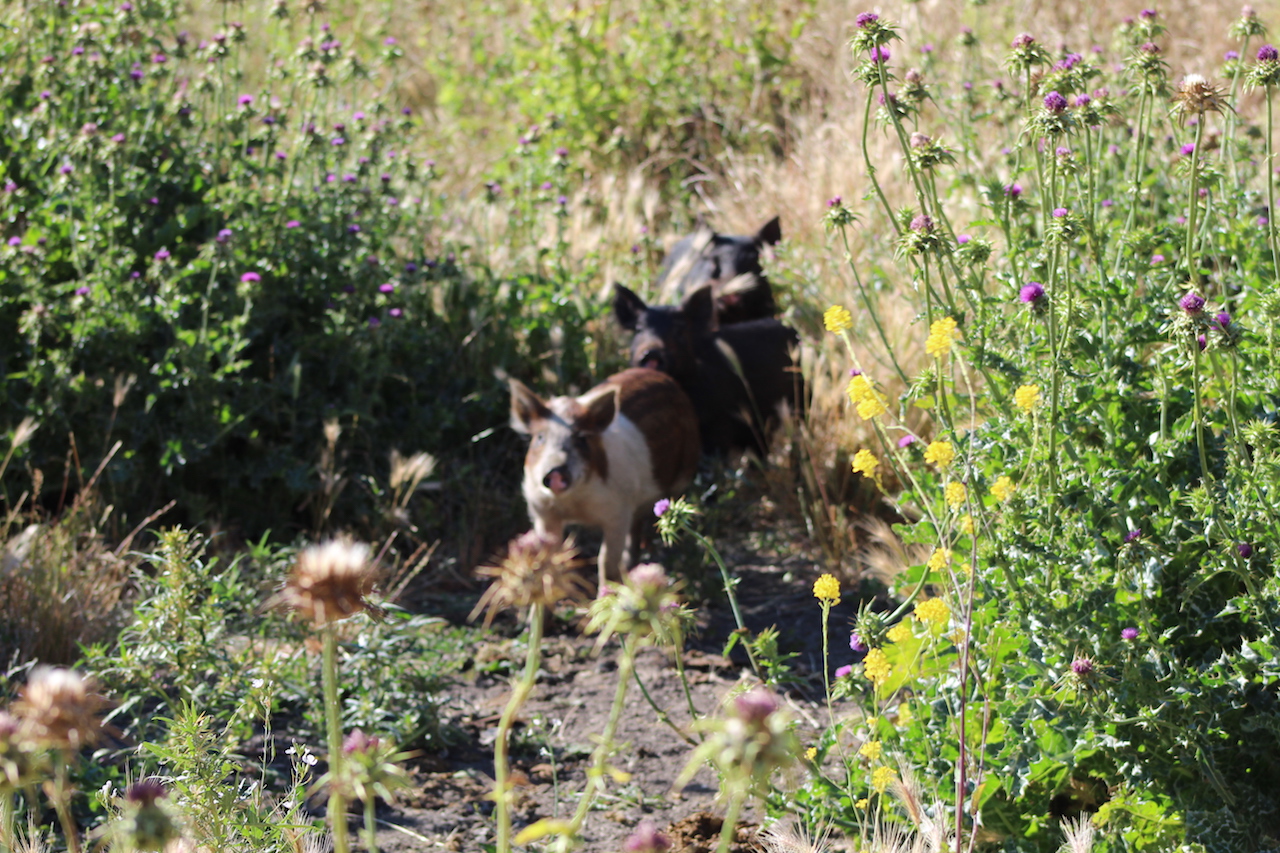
(1197, 95)
(1079, 834)
(537, 570)
(58, 710)
(410, 470)
(329, 582)
(788, 837)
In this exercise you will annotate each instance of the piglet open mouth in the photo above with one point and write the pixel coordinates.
(652, 360)
(556, 482)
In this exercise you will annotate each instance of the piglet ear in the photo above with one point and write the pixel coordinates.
(769, 233)
(526, 407)
(627, 307)
(598, 409)
(699, 309)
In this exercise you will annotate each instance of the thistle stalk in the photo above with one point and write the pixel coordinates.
(333, 718)
(519, 694)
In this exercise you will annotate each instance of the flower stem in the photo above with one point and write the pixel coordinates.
(729, 584)
(1193, 205)
(62, 807)
(370, 828)
(1271, 192)
(1199, 411)
(730, 825)
(333, 716)
(519, 694)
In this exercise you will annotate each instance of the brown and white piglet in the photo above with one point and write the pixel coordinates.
(603, 459)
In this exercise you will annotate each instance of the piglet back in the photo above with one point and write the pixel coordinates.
(661, 410)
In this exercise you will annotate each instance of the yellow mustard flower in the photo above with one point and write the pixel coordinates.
(872, 722)
(862, 803)
(882, 777)
(869, 401)
(1002, 489)
(876, 667)
(871, 750)
(956, 494)
(865, 463)
(1027, 397)
(837, 319)
(940, 453)
(939, 559)
(811, 753)
(933, 612)
(966, 525)
(899, 632)
(827, 588)
(942, 333)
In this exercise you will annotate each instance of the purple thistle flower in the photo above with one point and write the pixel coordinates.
(1031, 293)
(338, 140)
(137, 74)
(77, 50)
(1245, 550)
(1062, 151)
(244, 100)
(1083, 100)
(411, 268)
(962, 239)
(223, 236)
(756, 705)
(395, 312)
(879, 55)
(1082, 667)
(374, 322)
(562, 200)
(1147, 14)
(841, 672)
(15, 241)
(162, 255)
(562, 152)
(407, 111)
(10, 186)
(46, 95)
(1060, 213)
(1268, 53)
(389, 287)
(159, 58)
(118, 138)
(348, 288)
(546, 185)
(348, 178)
(646, 839)
(1150, 47)
(1128, 633)
(83, 290)
(661, 507)
(866, 19)
(1054, 102)
(1223, 319)
(250, 278)
(135, 275)
(855, 642)
(66, 169)
(1202, 342)
(126, 7)
(1188, 149)
(358, 115)
(1023, 40)
(1263, 221)
(1013, 190)
(834, 201)
(1106, 202)
(1133, 535)
(353, 228)
(1231, 55)
(906, 441)
(1157, 259)
(1192, 302)
(292, 223)
(153, 201)
(922, 222)
(389, 40)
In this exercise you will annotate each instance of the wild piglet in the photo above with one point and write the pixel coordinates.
(738, 376)
(603, 459)
(730, 264)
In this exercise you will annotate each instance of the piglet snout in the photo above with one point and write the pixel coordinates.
(652, 359)
(557, 479)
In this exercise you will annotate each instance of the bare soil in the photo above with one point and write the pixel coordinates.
(449, 806)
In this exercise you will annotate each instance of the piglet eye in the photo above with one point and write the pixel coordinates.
(538, 437)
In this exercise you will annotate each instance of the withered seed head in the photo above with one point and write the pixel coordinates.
(329, 582)
(536, 570)
(1197, 95)
(57, 709)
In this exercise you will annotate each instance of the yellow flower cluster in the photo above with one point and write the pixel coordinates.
(827, 588)
(865, 463)
(1002, 489)
(865, 396)
(966, 525)
(941, 335)
(837, 319)
(940, 453)
(871, 750)
(938, 561)
(876, 667)
(811, 753)
(899, 632)
(1027, 397)
(956, 494)
(862, 803)
(933, 612)
(882, 777)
